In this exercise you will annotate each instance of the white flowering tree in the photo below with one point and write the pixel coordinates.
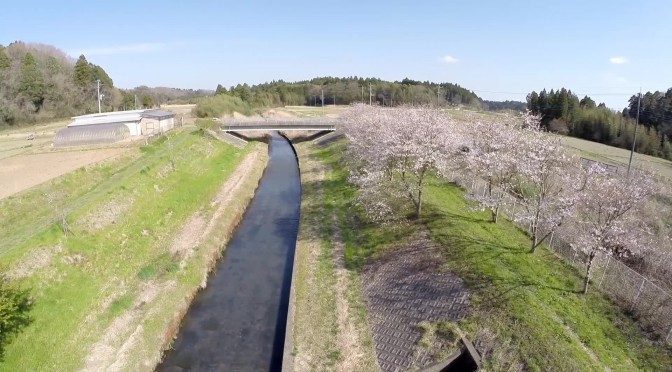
(606, 218)
(546, 183)
(493, 155)
(394, 150)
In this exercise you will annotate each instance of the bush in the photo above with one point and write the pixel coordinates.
(216, 106)
(15, 305)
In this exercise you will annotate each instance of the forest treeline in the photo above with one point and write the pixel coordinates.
(563, 112)
(348, 90)
(39, 82)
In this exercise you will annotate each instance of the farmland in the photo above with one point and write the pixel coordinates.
(112, 247)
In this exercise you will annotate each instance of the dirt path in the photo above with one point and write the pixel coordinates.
(22, 172)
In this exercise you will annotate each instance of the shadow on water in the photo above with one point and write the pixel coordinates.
(237, 323)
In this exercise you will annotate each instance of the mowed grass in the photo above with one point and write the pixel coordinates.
(587, 149)
(530, 301)
(617, 156)
(534, 299)
(93, 277)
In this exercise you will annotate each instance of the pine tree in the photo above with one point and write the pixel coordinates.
(97, 73)
(31, 82)
(83, 72)
(220, 90)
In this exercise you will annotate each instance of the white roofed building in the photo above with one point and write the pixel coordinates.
(114, 126)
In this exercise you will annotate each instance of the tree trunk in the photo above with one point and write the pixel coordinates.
(589, 270)
(535, 238)
(535, 242)
(418, 209)
(495, 214)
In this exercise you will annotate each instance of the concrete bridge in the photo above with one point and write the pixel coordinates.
(279, 124)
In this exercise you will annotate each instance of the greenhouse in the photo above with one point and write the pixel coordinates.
(91, 134)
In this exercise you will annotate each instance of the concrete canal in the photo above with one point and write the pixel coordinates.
(237, 323)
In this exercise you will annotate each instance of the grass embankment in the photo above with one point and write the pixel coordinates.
(529, 302)
(108, 293)
(330, 329)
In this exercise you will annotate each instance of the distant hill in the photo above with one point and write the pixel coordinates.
(40, 82)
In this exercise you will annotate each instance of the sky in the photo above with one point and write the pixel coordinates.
(501, 50)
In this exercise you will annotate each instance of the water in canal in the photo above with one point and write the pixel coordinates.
(237, 323)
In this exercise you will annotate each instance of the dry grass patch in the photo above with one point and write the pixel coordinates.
(33, 261)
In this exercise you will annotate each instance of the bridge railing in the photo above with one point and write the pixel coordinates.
(277, 120)
(233, 124)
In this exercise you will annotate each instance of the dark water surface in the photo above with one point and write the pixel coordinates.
(238, 322)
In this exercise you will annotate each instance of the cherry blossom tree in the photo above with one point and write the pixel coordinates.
(493, 155)
(394, 150)
(546, 183)
(606, 218)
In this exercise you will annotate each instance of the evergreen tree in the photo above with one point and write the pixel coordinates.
(31, 82)
(83, 72)
(220, 90)
(97, 73)
(587, 103)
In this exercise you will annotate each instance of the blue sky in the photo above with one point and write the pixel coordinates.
(500, 49)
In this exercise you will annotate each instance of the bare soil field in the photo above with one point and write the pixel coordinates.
(20, 172)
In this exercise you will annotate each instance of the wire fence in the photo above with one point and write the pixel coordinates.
(646, 301)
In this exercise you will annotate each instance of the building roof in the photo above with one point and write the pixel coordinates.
(91, 134)
(157, 114)
(131, 116)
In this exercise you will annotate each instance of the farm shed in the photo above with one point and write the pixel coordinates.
(98, 127)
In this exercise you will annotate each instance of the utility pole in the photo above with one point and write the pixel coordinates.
(438, 92)
(369, 94)
(135, 102)
(334, 100)
(98, 89)
(634, 139)
(362, 94)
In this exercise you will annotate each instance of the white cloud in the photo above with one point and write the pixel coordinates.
(618, 60)
(123, 49)
(448, 59)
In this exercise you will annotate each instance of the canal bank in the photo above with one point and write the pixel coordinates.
(238, 321)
